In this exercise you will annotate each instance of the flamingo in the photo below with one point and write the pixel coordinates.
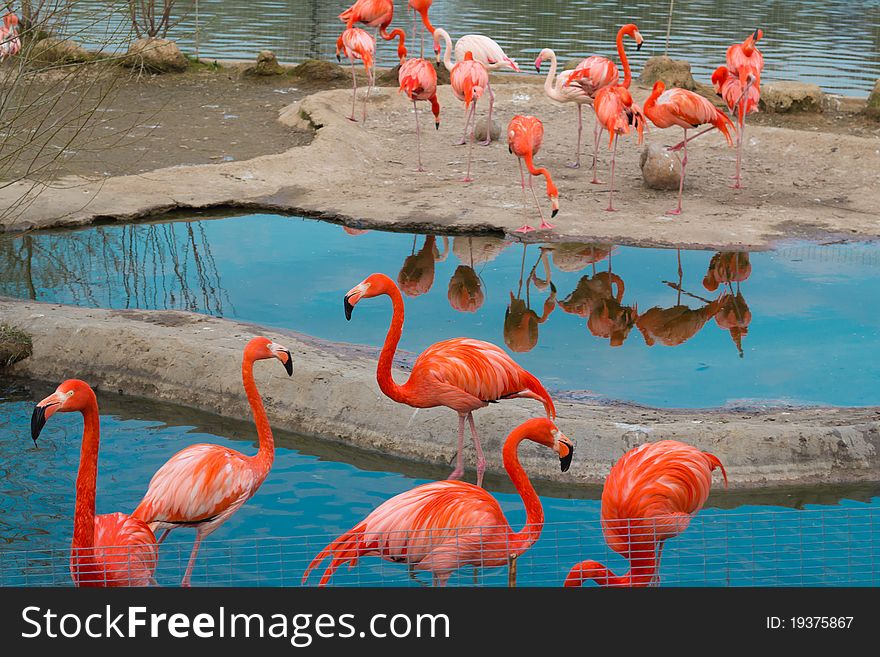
(461, 374)
(203, 485)
(108, 550)
(727, 267)
(421, 7)
(524, 137)
(469, 78)
(484, 50)
(686, 109)
(378, 14)
(592, 74)
(418, 80)
(10, 41)
(465, 291)
(358, 44)
(746, 55)
(650, 496)
(442, 526)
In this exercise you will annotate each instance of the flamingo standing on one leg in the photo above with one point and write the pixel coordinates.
(10, 41)
(421, 7)
(484, 50)
(203, 485)
(524, 137)
(650, 496)
(358, 44)
(442, 526)
(418, 80)
(469, 78)
(107, 550)
(378, 14)
(686, 109)
(461, 374)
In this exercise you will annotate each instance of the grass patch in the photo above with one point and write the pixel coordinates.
(15, 345)
(196, 64)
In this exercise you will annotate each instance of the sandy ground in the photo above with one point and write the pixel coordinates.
(194, 360)
(800, 183)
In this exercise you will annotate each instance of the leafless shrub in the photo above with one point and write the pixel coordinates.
(152, 18)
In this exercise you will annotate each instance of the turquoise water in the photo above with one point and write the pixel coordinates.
(312, 495)
(803, 316)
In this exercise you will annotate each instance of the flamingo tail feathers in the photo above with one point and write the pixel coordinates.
(714, 462)
(345, 549)
(539, 392)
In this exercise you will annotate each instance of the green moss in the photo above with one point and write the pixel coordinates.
(15, 345)
(196, 64)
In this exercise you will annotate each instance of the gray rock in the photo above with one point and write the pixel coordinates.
(156, 56)
(783, 97)
(673, 73)
(660, 168)
(480, 129)
(267, 64)
(58, 51)
(873, 108)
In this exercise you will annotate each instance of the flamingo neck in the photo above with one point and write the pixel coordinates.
(386, 358)
(621, 52)
(522, 540)
(86, 479)
(425, 20)
(550, 81)
(447, 50)
(266, 454)
(643, 567)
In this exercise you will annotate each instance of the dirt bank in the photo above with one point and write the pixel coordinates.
(799, 183)
(194, 360)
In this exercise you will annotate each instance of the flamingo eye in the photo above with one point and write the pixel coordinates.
(69, 394)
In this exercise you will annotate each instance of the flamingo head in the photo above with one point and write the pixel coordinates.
(718, 77)
(261, 348)
(633, 31)
(751, 40)
(545, 432)
(372, 286)
(543, 55)
(72, 395)
(438, 33)
(553, 193)
(586, 570)
(656, 91)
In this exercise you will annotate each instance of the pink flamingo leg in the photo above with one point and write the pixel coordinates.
(472, 115)
(369, 89)
(577, 162)
(459, 464)
(164, 536)
(481, 460)
(597, 135)
(526, 228)
(488, 139)
(684, 160)
(544, 225)
(418, 137)
(354, 91)
(192, 561)
(611, 207)
(681, 144)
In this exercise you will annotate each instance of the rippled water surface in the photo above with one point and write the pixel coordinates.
(797, 325)
(835, 43)
(312, 494)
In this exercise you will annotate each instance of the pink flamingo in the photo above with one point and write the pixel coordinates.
(686, 109)
(469, 78)
(203, 485)
(650, 496)
(524, 137)
(461, 374)
(107, 550)
(484, 50)
(10, 41)
(418, 80)
(378, 14)
(421, 7)
(358, 44)
(746, 55)
(442, 526)
(591, 75)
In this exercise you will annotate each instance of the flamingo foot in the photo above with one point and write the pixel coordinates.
(351, 118)
(421, 169)
(467, 179)
(596, 181)
(456, 474)
(675, 212)
(573, 165)
(545, 226)
(610, 208)
(460, 142)
(485, 142)
(525, 229)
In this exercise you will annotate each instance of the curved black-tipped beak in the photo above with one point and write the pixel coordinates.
(755, 35)
(538, 68)
(38, 421)
(554, 213)
(436, 125)
(639, 45)
(338, 58)
(348, 309)
(565, 461)
(509, 149)
(288, 364)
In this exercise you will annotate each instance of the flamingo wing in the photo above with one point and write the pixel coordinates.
(125, 554)
(594, 73)
(485, 50)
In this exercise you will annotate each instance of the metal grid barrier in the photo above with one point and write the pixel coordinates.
(838, 546)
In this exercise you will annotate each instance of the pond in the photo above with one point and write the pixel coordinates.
(312, 495)
(835, 44)
(790, 326)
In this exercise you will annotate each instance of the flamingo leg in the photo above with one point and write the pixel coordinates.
(418, 137)
(481, 460)
(192, 561)
(737, 184)
(511, 571)
(610, 207)
(544, 225)
(682, 144)
(459, 464)
(354, 90)
(488, 139)
(526, 228)
(577, 161)
(163, 537)
(684, 160)
(369, 89)
(472, 115)
(597, 135)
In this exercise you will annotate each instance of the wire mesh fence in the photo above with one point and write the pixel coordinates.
(835, 546)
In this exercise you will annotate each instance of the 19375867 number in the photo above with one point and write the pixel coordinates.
(810, 622)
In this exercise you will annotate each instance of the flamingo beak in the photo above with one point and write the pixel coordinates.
(43, 411)
(349, 307)
(566, 452)
(286, 359)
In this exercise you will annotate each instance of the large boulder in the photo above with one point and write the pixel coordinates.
(156, 56)
(314, 70)
(480, 129)
(673, 73)
(15, 345)
(58, 51)
(873, 108)
(782, 97)
(660, 168)
(267, 64)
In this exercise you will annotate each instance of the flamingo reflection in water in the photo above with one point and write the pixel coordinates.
(416, 276)
(520, 321)
(727, 268)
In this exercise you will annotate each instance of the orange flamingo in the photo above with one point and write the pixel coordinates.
(421, 7)
(591, 75)
(418, 80)
(686, 109)
(650, 496)
(616, 111)
(358, 44)
(727, 267)
(442, 526)
(378, 14)
(203, 485)
(107, 550)
(461, 374)
(746, 55)
(469, 79)
(10, 41)
(524, 137)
